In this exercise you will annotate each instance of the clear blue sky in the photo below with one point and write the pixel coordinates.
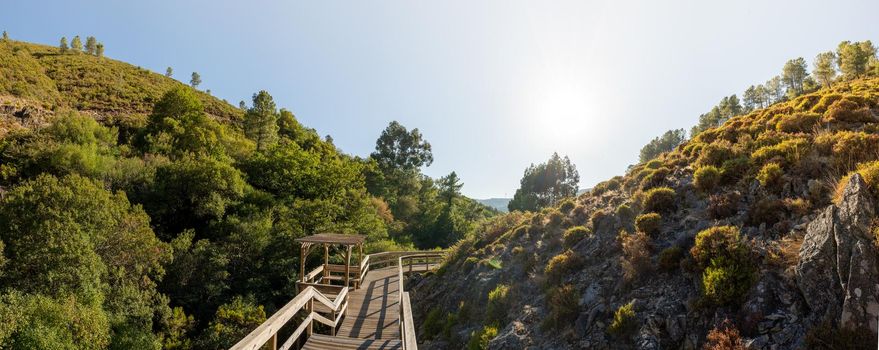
(493, 85)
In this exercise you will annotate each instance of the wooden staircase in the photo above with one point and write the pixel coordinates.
(377, 315)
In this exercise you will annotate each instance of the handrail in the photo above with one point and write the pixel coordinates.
(268, 330)
(407, 325)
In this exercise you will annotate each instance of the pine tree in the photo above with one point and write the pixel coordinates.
(242, 105)
(76, 44)
(261, 121)
(63, 46)
(196, 80)
(99, 50)
(91, 45)
(5, 36)
(169, 72)
(825, 67)
(793, 74)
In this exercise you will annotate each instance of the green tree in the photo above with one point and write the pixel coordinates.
(775, 90)
(169, 72)
(232, 322)
(5, 36)
(793, 74)
(450, 187)
(195, 81)
(661, 144)
(545, 184)
(824, 67)
(91, 45)
(99, 50)
(750, 99)
(261, 121)
(179, 126)
(853, 58)
(76, 44)
(192, 192)
(34, 321)
(63, 46)
(400, 149)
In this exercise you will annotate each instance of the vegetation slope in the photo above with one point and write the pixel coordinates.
(696, 247)
(140, 213)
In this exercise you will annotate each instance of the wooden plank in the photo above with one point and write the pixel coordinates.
(324, 342)
(408, 332)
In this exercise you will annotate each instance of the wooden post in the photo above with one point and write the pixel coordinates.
(310, 311)
(347, 265)
(326, 260)
(275, 341)
(302, 262)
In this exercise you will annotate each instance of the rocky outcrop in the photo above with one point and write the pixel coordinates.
(837, 269)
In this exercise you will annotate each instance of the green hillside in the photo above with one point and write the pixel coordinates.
(42, 76)
(139, 213)
(754, 222)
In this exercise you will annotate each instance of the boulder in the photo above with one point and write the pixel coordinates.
(837, 269)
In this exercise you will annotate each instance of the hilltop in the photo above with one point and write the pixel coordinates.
(38, 79)
(758, 232)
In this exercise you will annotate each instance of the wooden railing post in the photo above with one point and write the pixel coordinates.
(310, 310)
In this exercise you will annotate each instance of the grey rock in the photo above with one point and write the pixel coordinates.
(837, 272)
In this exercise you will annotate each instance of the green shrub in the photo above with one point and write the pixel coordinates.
(564, 307)
(624, 321)
(567, 205)
(653, 177)
(596, 218)
(574, 235)
(732, 169)
(770, 174)
(625, 212)
(670, 258)
(725, 282)
(659, 199)
(560, 266)
(789, 151)
(715, 153)
(610, 185)
(727, 270)
(845, 110)
(706, 178)
(797, 122)
(766, 211)
(648, 223)
(556, 218)
(825, 102)
(718, 241)
(850, 148)
(521, 230)
(653, 164)
(498, 305)
(479, 340)
(433, 323)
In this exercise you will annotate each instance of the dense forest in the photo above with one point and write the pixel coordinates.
(137, 212)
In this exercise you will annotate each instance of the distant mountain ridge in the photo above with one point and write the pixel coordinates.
(498, 203)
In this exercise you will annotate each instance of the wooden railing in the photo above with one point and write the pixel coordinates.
(407, 324)
(332, 300)
(267, 333)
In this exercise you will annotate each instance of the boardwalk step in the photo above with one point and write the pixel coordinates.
(326, 342)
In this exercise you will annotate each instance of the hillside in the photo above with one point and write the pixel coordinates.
(756, 230)
(37, 79)
(137, 212)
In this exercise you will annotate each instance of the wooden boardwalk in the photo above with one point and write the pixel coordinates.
(373, 317)
(374, 314)
(373, 310)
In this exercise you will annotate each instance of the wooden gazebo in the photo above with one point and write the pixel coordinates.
(349, 242)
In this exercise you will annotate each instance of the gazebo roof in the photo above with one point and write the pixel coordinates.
(332, 238)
